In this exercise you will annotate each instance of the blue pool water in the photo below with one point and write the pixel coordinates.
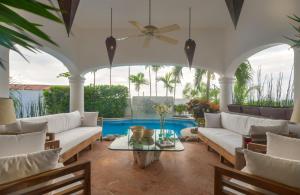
(120, 127)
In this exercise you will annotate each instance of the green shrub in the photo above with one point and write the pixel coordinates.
(57, 99)
(109, 101)
(180, 108)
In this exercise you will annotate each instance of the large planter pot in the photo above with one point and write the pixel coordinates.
(274, 113)
(234, 108)
(251, 110)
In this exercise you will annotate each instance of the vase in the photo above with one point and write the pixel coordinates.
(162, 128)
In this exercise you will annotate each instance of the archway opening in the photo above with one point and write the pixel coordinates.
(30, 77)
(266, 79)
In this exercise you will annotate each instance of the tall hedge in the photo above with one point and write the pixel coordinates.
(57, 99)
(109, 101)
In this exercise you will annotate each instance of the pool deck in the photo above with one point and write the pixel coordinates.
(183, 173)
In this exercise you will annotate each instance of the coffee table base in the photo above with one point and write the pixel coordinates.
(145, 158)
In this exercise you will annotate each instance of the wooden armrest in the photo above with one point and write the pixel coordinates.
(224, 174)
(52, 144)
(80, 181)
(260, 148)
(50, 136)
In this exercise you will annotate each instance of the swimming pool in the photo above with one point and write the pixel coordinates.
(120, 126)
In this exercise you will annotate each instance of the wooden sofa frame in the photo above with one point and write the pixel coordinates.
(81, 181)
(224, 174)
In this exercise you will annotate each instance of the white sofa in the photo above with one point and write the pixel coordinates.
(68, 129)
(234, 128)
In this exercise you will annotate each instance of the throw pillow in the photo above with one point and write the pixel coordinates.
(277, 169)
(258, 133)
(17, 167)
(90, 119)
(283, 147)
(212, 120)
(22, 143)
(28, 127)
(10, 128)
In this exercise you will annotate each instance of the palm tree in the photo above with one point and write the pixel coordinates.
(177, 74)
(156, 68)
(198, 78)
(64, 75)
(138, 80)
(150, 83)
(17, 30)
(168, 81)
(243, 75)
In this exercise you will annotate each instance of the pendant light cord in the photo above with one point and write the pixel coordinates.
(190, 20)
(111, 22)
(149, 12)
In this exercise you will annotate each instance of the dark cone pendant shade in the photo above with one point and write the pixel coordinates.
(190, 44)
(111, 45)
(68, 10)
(189, 48)
(235, 9)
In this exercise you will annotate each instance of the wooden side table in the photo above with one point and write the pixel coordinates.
(240, 161)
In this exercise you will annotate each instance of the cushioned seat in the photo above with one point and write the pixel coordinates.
(69, 139)
(228, 140)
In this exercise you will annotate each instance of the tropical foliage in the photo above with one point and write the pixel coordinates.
(15, 29)
(156, 68)
(138, 81)
(177, 74)
(295, 41)
(168, 81)
(180, 108)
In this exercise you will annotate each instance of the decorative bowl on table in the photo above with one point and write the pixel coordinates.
(148, 133)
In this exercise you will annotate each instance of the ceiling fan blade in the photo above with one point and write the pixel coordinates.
(169, 28)
(147, 42)
(129, 36)
(137, 25)
(167, 39)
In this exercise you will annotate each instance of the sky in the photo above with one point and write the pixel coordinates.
(273, 60)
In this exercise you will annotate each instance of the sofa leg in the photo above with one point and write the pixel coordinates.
(222, 159)
(90, 147)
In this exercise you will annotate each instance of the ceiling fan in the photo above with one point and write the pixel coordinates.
(150, 31)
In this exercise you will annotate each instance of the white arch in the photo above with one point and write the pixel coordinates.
(235, 64)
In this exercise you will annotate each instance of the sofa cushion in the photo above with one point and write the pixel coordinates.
(17, 167)
(73, 120)
(287, 171)
(90, 119)
(69, 139)
(283, 147)
(212, 120)
(22, 143)
(235, 122)
(228, 140)
(27, 127)
(283, 124)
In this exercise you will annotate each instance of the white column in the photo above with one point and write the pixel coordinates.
(297, 73)
(226, 92)
(77, 93)
(4, 73)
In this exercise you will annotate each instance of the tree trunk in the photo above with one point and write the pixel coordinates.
(110, 76)
(175, 91)
(156, 83)
(208, 84)
(94, 78)
(166, 92)
(150, 81)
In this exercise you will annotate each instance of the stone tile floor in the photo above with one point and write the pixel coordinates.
(177, 173)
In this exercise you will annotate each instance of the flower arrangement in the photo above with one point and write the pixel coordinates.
(162, 110)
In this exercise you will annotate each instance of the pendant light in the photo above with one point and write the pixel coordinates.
(190, 44)
(235, 9)
(111, 43)
(68, 9)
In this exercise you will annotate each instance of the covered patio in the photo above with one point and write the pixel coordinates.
(221, 48)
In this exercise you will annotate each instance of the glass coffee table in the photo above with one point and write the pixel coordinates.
(145, 150)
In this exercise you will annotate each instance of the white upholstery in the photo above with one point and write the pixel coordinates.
(90, 119)
(267, 122)
(235, 122)
(212, 120)
(71, 138)
(23, 143)
(283, 147)
(228, 140)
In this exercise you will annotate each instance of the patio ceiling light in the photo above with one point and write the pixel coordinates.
(190, 44)
(68, 10)
(111, 43)
(235, 8)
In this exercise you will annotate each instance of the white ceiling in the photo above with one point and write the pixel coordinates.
(205, 13)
